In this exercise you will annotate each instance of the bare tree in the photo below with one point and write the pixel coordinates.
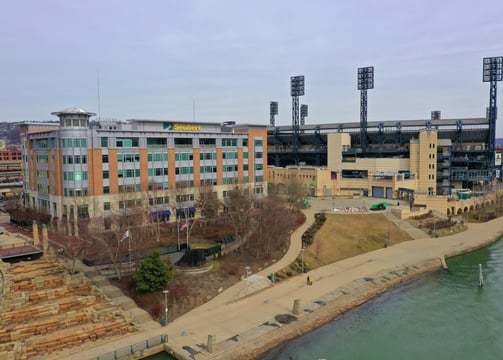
(238, 214)
(121, 235)
(296, 192)
(74, 248)
(208, 203)
(272, 221)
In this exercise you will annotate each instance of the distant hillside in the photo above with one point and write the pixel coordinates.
(499, 142)
(10, 133)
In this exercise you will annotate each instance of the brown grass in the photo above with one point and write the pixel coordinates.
(345, 235)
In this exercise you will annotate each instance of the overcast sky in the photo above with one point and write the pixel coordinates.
(157, 59)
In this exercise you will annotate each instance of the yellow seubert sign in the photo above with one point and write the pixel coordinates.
(186, 127)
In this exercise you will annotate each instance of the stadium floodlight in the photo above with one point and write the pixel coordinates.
(435, 115)
(492, 69)
(273, 110)
(365, 82)
(297, 85)
(492, 72)
(366, 78)
(303, 114)
(303, 111)
(296, 90)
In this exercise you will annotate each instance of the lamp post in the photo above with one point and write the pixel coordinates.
(165, 292)
(302, 258)
(247, 268)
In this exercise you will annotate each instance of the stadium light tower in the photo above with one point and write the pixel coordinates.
(303, 114)
(296, 90)
(365, 82)
(492, 72)
(273, 110)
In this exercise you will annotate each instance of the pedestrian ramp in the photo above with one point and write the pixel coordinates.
(250, 285)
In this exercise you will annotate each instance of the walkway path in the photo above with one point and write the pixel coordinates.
(243, 325)
(405, 225)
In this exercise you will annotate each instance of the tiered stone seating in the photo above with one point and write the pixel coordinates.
(61, 341)
(44, 310)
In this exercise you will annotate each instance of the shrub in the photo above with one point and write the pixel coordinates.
(156, 310)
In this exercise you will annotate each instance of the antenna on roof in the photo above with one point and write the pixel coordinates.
(98, 85)
(193, 109)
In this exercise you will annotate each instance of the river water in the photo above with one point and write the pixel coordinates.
(444, 315)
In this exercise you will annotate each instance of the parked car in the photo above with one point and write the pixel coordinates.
(379, 206)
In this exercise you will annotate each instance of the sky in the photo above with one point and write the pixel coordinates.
(225, 60)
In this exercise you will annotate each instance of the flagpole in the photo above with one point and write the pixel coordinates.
(178, 235)
(130, 253)
(187, 229)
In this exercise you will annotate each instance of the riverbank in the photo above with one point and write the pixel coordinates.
(246, 328)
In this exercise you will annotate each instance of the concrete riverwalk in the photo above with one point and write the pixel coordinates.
(247, 318)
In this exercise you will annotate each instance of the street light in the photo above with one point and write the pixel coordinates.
(165, 292)
(302, 258)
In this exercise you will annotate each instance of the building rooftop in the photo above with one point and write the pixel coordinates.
(73, 110)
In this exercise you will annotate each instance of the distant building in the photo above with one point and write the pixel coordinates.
(11, 167)
(74, 170)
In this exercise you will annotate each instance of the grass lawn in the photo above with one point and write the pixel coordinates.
(346, 235)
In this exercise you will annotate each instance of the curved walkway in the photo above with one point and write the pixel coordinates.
(242, 326)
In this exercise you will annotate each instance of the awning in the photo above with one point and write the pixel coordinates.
(189, 210)
(161, 213)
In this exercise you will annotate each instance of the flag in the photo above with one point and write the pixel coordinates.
(126, 235)
(184, 226)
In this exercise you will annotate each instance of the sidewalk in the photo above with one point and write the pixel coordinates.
(249, 323)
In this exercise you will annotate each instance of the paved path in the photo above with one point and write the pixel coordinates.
(237, 323)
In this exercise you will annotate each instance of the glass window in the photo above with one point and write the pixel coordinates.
(104, 142)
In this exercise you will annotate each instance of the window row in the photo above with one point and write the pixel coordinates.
(72, 143)
(208, 156)
(158, 172)
(230, 155)
(129, 173)
(74, 159)
(128, 157)
(158, 157)
(184, 156)
(184, 170)
(74, 192)
(208, 169)
(75, 176)
(229, 142)
(42, 174)
(229, 168)
(42, 159)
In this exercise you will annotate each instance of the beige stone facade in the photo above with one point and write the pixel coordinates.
(386, 177)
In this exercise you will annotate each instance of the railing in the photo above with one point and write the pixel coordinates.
(134, 349)
(16, 245)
